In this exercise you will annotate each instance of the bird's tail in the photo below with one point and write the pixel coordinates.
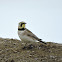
(40, 40)
(43, 42)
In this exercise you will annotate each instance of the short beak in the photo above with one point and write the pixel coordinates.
(24, 23)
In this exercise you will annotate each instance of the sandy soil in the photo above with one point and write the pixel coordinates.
(13, 50)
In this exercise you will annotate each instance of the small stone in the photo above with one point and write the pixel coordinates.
(12, 60)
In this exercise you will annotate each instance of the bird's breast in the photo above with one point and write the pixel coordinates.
(25, 37)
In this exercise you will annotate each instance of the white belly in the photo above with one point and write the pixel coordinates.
(25, 37)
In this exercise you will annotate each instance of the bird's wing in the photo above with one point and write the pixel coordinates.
(30, 34)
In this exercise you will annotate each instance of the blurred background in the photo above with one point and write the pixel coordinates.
(43, 18)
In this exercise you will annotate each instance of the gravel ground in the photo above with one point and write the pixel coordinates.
(13, 50)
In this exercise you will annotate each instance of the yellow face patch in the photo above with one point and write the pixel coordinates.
(23, 26)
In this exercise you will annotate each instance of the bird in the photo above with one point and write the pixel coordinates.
(26, 35)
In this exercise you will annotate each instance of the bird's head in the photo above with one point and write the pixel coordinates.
(21, 25)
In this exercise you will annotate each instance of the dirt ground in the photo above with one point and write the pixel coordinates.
(13, 50)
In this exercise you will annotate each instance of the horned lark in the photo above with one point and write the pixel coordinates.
(26, 35)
